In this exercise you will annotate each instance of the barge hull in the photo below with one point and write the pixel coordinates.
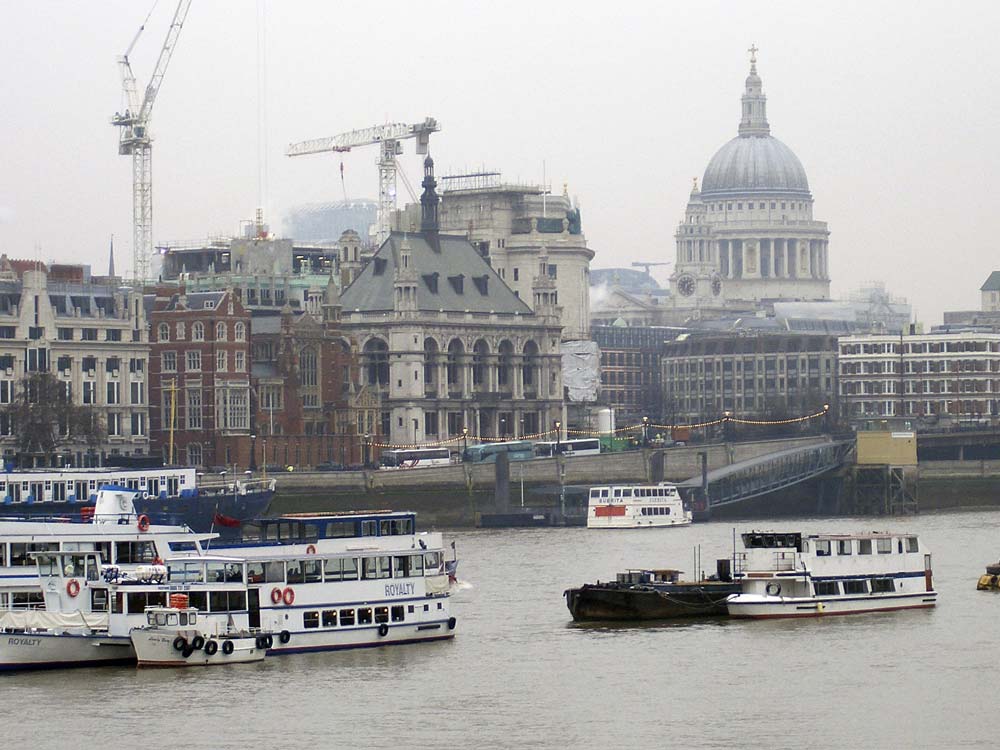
(607, 602)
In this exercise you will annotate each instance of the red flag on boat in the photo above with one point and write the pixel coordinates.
(222, 520)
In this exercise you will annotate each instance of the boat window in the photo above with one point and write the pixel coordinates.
(310, 619)
(884, 546)
(604, 493)
(827, 588)
(138, 601)
(19, 552)
(627, 492)
(398, 614)
(822, 547)
(255, 571)
(369, 528)
(381, 614)
(198, 600)
(375, 567)
(401, 566)
(618, 493)
(844, 546)
(883, 585)
(99, 600)
(385, 528)
(274, 571)
(312, 570)
(332, 569)
(364, 615)
(184, 618)
(192, 618)
(339, 529)
(227, 601)
(416, 566)
(189, 572)
(310, 532)
(402, 526)
(346, 617)
(911, 544)
(644, 511)
(855, 587)
(215, 572)
(350, 568)
(271, 532)
(48, 565)
(864, 546)
(134, 552)
(251, 532)
(433, 563)
(294, 573)
(169, 619)
(32, 599)
(329, 618)
(288, 532)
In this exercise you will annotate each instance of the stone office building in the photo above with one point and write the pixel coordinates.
(88, 332)
(447, 344)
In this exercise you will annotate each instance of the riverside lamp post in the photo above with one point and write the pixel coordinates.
(645, 432)
(365, 448)
(558, 426)
(465, 442)
(253, 453)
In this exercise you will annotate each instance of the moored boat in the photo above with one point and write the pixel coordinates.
(650, 595)
(636, 506)
(990, 580)
(800, 575)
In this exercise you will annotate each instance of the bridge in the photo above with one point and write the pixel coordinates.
(757, 476)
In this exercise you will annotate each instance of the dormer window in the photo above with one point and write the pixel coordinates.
(431, 280)
(379, 266)
(482, 284)
(457, 283)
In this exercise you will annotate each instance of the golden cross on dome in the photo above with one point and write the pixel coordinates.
(753, 53)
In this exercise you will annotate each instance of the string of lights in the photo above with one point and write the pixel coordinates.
(554, 433)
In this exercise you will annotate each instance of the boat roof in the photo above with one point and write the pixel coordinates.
(325, 515)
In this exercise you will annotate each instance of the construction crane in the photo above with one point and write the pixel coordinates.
(389, 136)
(135, 141)
(647, 266)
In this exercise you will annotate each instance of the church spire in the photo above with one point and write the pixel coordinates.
(754, 120)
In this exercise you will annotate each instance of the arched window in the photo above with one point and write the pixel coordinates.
(180, 331)
(455, 352)
(430, 361)
(220, 331)
(198, 331)
(164, 332)
(505, 365)
(529, 369)
(240, 332)
(307, 367)
(479, 353)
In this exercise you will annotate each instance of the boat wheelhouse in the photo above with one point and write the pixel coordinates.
(636, 506)
(800, 575)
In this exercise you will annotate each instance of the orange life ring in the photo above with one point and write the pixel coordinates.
(311, 549)
(72, 587)
(157, 560)
(143, 522)
(275, 595)
(289, 596)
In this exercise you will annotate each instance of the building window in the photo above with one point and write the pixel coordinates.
(88, 334)
(114, 424)
(239, 332)
(430, 423)
(194, 455)
(552, 271)
(137, 393)
(89, 392)
(221, 361)
(220, 331)
(169, 362)
(65, 334)
(193, 360)
(307, 367)
(515, 274)
(138, 424)
(163, 332)
(193, 409)
(114, 393)
(241, 361)
(198, 331)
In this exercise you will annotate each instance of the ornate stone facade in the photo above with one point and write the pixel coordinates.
(748, 234)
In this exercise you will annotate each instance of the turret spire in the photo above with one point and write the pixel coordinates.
(754, 120)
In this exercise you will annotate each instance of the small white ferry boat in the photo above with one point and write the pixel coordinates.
(799, 575)
(636, 506)
(181, 636)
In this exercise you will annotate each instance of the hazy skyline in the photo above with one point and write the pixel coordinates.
(889, 106)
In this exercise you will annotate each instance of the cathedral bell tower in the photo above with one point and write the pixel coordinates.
(695, 281)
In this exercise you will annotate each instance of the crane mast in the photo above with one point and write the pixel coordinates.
(388, 136)
(135, 141)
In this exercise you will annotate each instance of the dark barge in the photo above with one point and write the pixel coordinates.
(649, 595)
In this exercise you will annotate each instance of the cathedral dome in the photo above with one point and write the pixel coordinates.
(754, 164)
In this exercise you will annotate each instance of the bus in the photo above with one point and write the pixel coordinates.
(580, 447)
(516, 450)
(411, 458)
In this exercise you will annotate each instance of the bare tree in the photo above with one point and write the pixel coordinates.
(44, 419)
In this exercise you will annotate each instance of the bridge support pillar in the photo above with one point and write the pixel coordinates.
(883, 490)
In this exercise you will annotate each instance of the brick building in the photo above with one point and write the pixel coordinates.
(631, 376)
(199, 378)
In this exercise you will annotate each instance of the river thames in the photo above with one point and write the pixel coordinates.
(519, 674)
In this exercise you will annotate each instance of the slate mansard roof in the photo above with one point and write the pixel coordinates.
(455, 278)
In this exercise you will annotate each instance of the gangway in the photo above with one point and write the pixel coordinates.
(758, 476)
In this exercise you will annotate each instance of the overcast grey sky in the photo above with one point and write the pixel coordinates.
(893, 109)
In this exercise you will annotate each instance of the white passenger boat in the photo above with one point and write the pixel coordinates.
(318, 582)
(181, 636)
(636, 506)
(799, 575)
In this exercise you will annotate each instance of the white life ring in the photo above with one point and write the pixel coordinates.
(773, 589)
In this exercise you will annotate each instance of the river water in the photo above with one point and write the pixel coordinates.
(520, 674)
